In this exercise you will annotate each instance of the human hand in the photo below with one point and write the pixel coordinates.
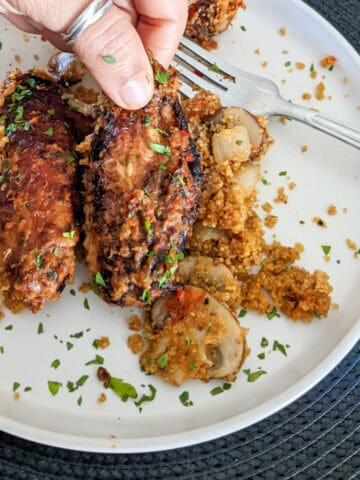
(124, 34)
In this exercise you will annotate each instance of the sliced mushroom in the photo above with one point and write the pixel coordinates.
(216, 341)
(66, 67)
(232, 117)
(231, 143)
(205, 271)
(248, 177)
(202, 233)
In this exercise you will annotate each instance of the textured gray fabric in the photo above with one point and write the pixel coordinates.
(315, 438)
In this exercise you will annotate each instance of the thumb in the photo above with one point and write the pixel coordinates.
(113, 52)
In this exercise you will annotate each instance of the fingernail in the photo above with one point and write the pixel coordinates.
(137, 91)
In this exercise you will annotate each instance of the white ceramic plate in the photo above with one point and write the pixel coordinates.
(327, 174)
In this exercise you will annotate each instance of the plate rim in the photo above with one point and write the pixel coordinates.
(219, 429)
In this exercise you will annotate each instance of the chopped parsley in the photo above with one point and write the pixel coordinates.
(243, 28)
(122, 389)
(54, 387)
(187, 341)
(162, 77)
(147, 398)
(95, 344)
(72, 387)
(55, 250)
(272, 314)
(162, 361)
(148, 121)
(79, 400)
(146, 297)
(72, 292)
(216, 391)
(51, 111)
(19, 114)
(312, 68)
(264, 342)
(9, 327)
(2, 349)
(158, 148)
(253, 376)
(214, 68)
(283, 173)
(49, 132)
(162, 132)
(99, 279)
(69, 346)
(109, 59)
(56, 364)
(98, 360)
(147, 226)
(179, 179)
(164, 280)
(192, 366)
(287, 64)
(27, 389)
(86, 304)
(185, 399)
(264, 181)
(31, 82)
(40, 329)
(70, 234)
(280, 347)
(39, 261)
(16, 386)
(242, 313)
(326, 249)
(261, 356)
(77, 335)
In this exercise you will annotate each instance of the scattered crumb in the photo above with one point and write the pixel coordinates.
(270, 221)
(2, 315)
(282, 31)
(345, 80)
(332, 210)
(136, 343)
(302, 222)
(346, 95)
(327, 258)
(345, 210)
(306, 96)
(352, 245)
(281, 196)
(328, 61)
(285, 52)
(292, 185)
(320, 222)
(313, 74)
(335, 306)
(283, 81)
(300, 65)
(16, 396)
(267, 207)
(17, 58)
(304, 149)
(102, 398)
(135, 323)
(329, 97)
(257, 51)
(36, 57)
(320, 91)
(282, 120)
(26, 37)
(103, 342)
(85, 287)
(264, 64)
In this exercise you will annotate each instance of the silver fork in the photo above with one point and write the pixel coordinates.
(235, 87)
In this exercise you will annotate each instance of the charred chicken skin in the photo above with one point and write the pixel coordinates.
(37, 191)
(142, 192)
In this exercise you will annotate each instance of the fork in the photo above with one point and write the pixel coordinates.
(260, 96)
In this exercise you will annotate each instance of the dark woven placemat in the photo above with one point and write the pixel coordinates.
(315, 438)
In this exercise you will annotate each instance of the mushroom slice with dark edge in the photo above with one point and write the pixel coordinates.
(242, 127)
(193, 336)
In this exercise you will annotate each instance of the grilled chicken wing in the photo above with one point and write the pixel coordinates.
(37, 191)
(142, 192)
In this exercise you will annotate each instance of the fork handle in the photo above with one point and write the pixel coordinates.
(329, 125)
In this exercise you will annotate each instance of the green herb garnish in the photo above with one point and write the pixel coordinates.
(162, 361)
(15, 386)
(214, 68)
(253, 376)
(287, 64)
(69, 346)
(122, 389)
(272, 314)
(72, 292)
(158, 148)
(109, 59)
(54, 387)
(326, 249)
(185, 399)
(280, 347)
(242, 313)
(49, 132)
(264, 342)
(86, 304)
(70, 234)
(147, 398)
(283, 173)
(100, 280)
(162, 77)
(98, 360)
(40, 329)
(56, 364)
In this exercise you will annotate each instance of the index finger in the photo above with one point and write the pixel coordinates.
(161, 25)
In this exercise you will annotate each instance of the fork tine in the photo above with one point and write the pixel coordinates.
(197, 80)
(195, 64)
(208, 57)
(186, 90)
